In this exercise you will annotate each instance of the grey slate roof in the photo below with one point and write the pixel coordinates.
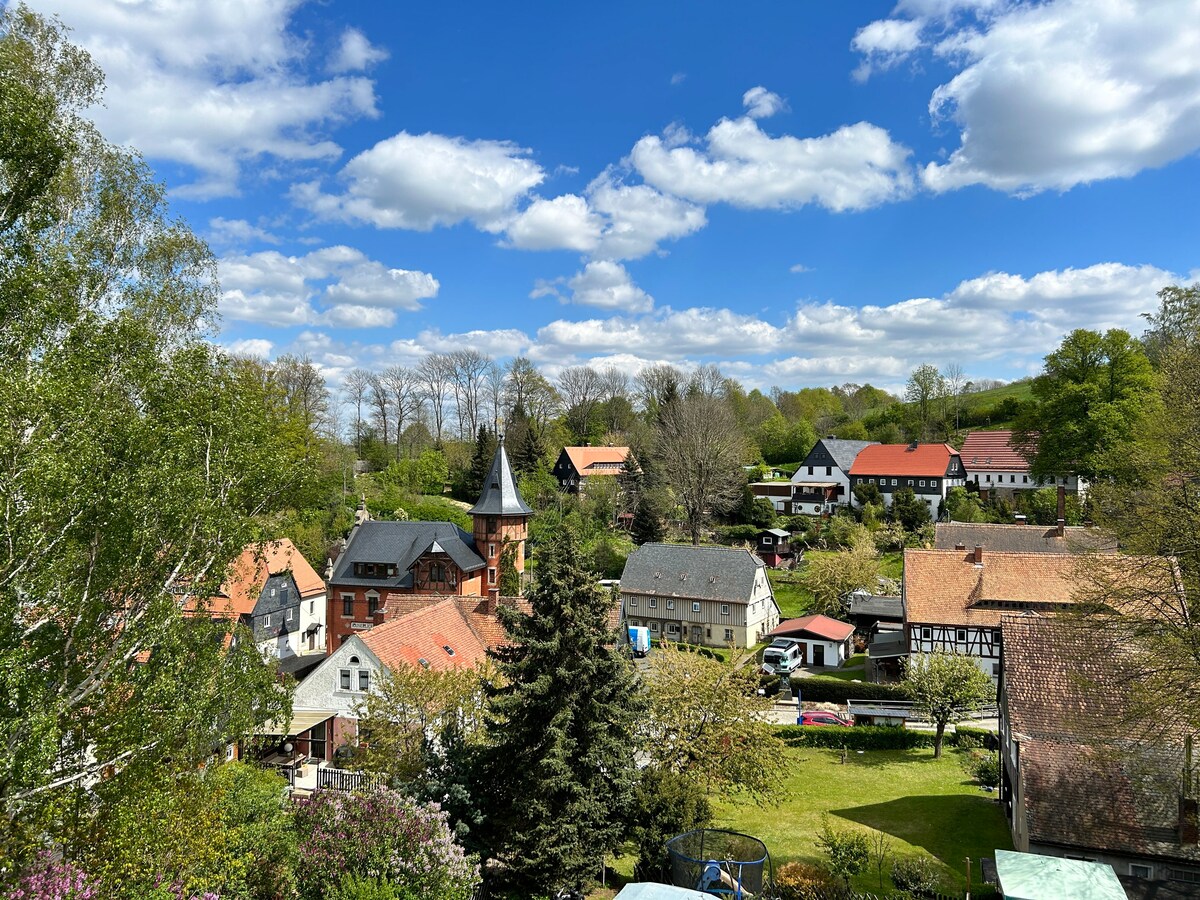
(403, 543)
(1021, 538)
(500, 496)
(843, 452)
(682, 570)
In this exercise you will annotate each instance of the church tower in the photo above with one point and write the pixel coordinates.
(500, 515)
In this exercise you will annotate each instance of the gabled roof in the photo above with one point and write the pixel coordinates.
(597, 460)
(1022, 538)
(990, 451)
(904, 459)
(1090, 778)
(822, 626)
(946, 587)
(500, 496)
(683, 570)
(403, 543)
(439, 633)
(283, 556)
(843, 452)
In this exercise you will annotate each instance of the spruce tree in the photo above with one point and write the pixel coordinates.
(647, 526)
(481, 464)
(557, 776)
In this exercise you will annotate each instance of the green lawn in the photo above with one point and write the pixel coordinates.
(791, 594)
(855, 669)
(925, 806)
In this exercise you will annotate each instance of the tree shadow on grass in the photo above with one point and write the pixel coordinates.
(948, 826)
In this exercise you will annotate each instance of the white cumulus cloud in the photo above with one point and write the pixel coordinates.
(761, 103)
(855, 167)
(213, 86)
(1057, 94)
(338, 286)
(606, 285)
(355, 53)
(421, 181)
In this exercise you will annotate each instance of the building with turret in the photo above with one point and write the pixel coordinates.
(389, 569)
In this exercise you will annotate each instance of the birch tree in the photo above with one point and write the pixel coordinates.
(133, 458)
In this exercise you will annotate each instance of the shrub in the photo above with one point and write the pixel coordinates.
(384, 834)
(50, 879)
(985, 767)
(769, 684)
(848, 851)
(860, 737)
(732, 534)
(821, 689)
(804, 881)
(967, 738)
(354, 887)
(665, 804)
(915, 874)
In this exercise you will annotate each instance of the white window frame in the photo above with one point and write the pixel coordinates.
(345, 679)
(960, 635)
(654, 627)
(695, 607)
(724, 609)
(729, 634)
(670, 604)
(927, 634)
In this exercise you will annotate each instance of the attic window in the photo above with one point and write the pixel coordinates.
(712, 579)
(448, 649)
(424, 662)
(354, 660)
(683, 576)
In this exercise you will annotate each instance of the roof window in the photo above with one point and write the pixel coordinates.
(424, 662)
(449, 650)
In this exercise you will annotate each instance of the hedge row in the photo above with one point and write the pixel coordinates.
(860, 737)
(821, 689)
(879, 737)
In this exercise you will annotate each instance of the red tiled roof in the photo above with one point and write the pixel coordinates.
(821, 626)
(249, 572)
(990, 451)
(903, 459)
(424, 634)
(605, 460)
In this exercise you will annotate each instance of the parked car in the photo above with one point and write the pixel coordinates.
(816, 717)
(783, 657)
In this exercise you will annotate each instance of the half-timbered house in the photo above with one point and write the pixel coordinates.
(953, 600)
(717, 596)
(823, 479)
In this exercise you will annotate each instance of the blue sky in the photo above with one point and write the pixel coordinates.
(803, 193)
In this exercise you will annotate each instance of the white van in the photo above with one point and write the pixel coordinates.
(784, 656)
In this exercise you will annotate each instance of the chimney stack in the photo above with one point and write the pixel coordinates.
(978, 555)
(1062, 509)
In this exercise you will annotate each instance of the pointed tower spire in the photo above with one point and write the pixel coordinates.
(501, 516)
(500, 496)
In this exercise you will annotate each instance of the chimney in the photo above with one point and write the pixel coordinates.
(978, 555)
(491, 601)
(912, 446)
(1062, 509)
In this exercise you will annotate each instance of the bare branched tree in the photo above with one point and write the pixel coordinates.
(701, 451)
(355, 387)
(580, 388)
(380, 400)
(658, 385)
(304, 391)
(405, 392)
(436, 372)
(468, 370)
(707, 381)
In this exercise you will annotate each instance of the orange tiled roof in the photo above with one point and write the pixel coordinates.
(902, 459)
(249, 572)
(990, 451)
(424, 634)
(283, 556)
(605, 460)
(947, 587)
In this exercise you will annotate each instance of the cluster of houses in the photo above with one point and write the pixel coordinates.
(426, 596)
(988, 461)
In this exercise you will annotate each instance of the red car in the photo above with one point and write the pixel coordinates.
(823, 718)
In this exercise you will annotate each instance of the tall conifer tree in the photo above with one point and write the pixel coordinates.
(559, 773)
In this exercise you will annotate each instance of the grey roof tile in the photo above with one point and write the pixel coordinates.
(500, 496)
(403, 543)
(682, 570)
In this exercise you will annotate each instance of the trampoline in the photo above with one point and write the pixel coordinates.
(720, 863)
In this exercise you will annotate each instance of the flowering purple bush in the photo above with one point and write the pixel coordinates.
(54, 879)
(381, 834)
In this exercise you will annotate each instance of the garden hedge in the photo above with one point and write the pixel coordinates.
(820, 689)
(877, 737)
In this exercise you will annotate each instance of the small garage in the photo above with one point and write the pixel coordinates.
(825, 641)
